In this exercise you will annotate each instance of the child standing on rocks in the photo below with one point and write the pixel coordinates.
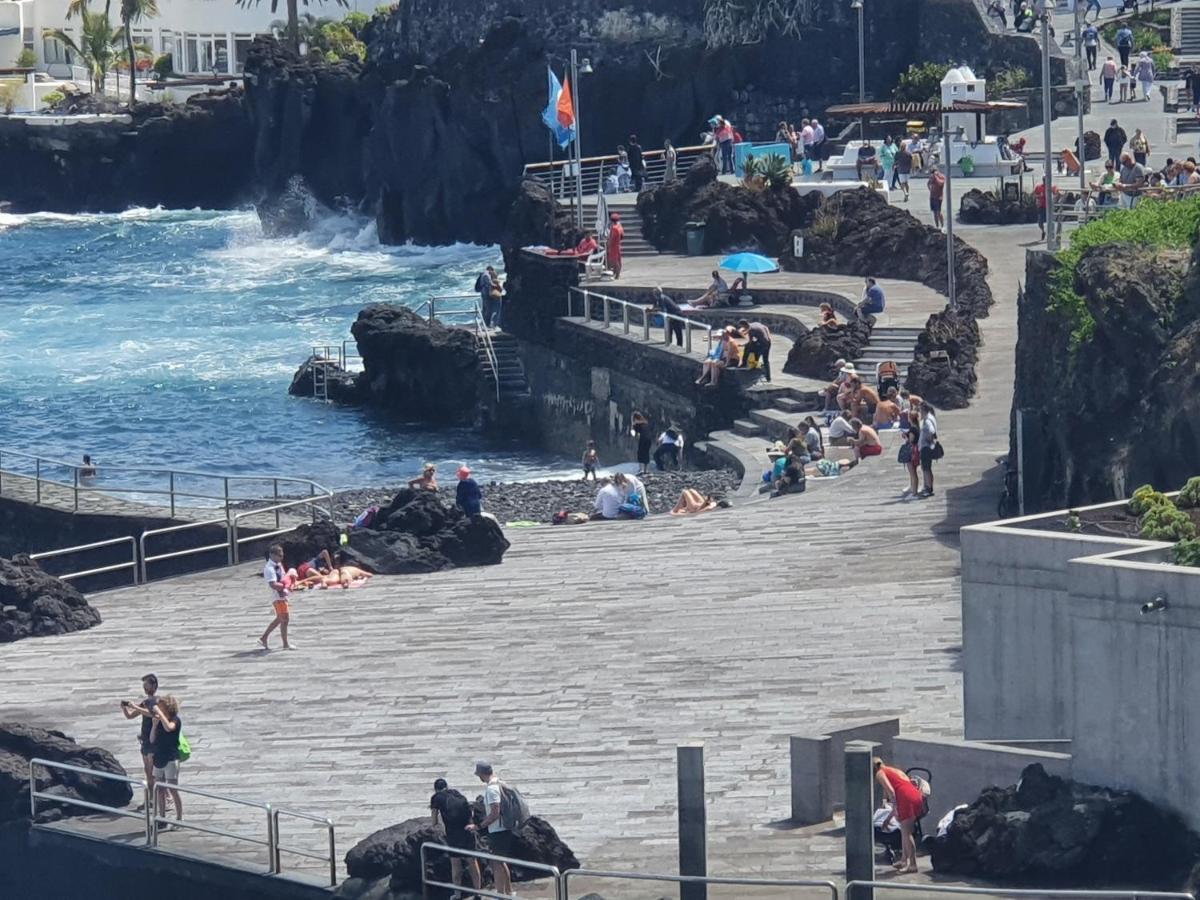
(591, 461)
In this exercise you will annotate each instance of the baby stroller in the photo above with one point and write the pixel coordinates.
(887, 829)
(887, 375)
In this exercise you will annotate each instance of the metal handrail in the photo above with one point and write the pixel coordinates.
(66, 551)
(146, 560)
(156, 820)
(627, 306)
(694, 879)
(426, 883)
(1049, 894)
(469, 305)
(235, 542)
(484, 337)
(559, 176)
(35, 794)
(331, 858)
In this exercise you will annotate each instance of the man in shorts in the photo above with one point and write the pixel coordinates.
(499, 838)
(145, 710)
(937, 188)
(454, 811)
(277, 584)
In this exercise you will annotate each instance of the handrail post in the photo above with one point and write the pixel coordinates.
(172, 486)
(607, 313)
(275, 487)
(625, 317)
(687, 337)
(332, 854)
(154, 815)
(226, 480)
(38, 479)
(432, 309)
(142, 555)
(645, 326)
(75, 486)
(230, 544)
(32, 792)
(231, 530)
(272, 841)
(147, 802)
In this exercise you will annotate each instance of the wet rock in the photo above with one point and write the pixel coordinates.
(19, 743)
(1051, 830)
(341, 386)
(417, 532)
(815, 353)
(34, 604)
(943, 366)
(307, 541)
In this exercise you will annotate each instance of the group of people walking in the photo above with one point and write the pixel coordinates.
(808, 142)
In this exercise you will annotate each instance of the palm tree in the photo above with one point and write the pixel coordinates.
(293, 16)
(134, 11)
(99, 43)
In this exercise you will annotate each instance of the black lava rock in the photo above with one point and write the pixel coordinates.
(34, 604)
(1056, 831)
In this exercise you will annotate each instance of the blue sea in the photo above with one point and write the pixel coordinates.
(169, 338)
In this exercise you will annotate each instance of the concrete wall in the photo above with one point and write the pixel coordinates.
(817, 776)
(1017, 677)
(960, 770)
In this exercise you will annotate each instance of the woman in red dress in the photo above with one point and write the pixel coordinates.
(908, 803)
(616, 234)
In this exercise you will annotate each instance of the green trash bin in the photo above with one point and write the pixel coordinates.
(695, 238)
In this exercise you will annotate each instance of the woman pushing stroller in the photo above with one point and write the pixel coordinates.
(908, 803)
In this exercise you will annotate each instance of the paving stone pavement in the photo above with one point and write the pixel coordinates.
(576, 666)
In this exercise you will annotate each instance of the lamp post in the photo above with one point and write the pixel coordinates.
(951, 287)
(1081, 81)
(577, 69)
(1048, 178)
(862, 68)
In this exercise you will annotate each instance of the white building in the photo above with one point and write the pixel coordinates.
(203, 36)
(961, 84)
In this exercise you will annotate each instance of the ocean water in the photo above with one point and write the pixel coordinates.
(169, 338)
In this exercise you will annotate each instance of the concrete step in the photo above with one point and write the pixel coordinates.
(896, 331)
(791, 405)
(746, 428)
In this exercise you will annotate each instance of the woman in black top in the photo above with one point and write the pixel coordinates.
(164, 737)
(641, 430)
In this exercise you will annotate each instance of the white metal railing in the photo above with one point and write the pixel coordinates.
(35, 795)
(327, 356)
(565, 890)
(157, 821)
(99, 570)
(983, 891)
(146, 559)
(559, 176)
(427, 882)
(448, 306)
(627, 310)
(330, 857)
(235, 542)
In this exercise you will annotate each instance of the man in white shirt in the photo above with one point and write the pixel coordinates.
(840, 429)
(499, 838)
(608, 501)
(667, 450)
(818, 143)
(926, 444)
(277, 583)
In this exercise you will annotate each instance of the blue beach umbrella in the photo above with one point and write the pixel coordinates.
(747, 263)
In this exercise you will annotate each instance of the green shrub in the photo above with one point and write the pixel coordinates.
(54, 98)
(1163, 59)
(1187, 553)
(920, 84)
(1163, 522)
(164, 65)
(1011, 78)
(776, 170)
(1154, 223)
(1144, 498)
(356, 22)
(1189, 494)
(10, 93)
(26, 59)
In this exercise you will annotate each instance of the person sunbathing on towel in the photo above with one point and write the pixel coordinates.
(691, 502)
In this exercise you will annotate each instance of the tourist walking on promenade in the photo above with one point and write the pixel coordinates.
(1114, 141)
(164, 735)
(1140, 145)
(1108, 74)
(640, 429)
(996, 11)
(904, 164)
(937, 188)
(668, 307)
(467, 496)
(499, 838)
(1091, 45)
(1191, 83)
(1145, 72)
(637, 164)
(887, 159)
(616, 234)
(910, 453)
(145, 711)
(277, 583)
(927, 443)
(670, 158)
(908, 805)
(1039, 198)
(454, 811)
(1092, 4)
(1124, 44)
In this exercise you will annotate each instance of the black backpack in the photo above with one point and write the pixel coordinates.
(456, 810)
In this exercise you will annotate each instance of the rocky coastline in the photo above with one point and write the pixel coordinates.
(538, 501)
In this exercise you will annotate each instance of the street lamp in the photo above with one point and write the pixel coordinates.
(577, 69)
(951, 285)
(862, 69)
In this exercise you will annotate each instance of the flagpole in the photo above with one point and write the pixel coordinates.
(578, 137)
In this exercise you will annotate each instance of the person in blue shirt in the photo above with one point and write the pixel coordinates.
(468, 497)
(1124, 44)
(872, 302)
(1091, 44)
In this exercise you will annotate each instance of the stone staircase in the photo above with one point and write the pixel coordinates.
(1189, 32)
(634, 244)
(510, 371)
(887, 343)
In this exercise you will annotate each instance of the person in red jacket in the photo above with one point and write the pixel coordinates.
(908, 804)
(616, 234)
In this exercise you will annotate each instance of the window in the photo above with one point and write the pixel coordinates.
(169, 48)
(27, 39)
(207, 53)
(55, 52)
(241, 48)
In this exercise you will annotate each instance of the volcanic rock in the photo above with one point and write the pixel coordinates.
(417, 368)
(985, 208)
(20, 743)
(417, 532)
(340, 385)
(1052, 830)
(307, 541)
(815, 353)
(943, 366)
(34, 604)
(395, 853)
